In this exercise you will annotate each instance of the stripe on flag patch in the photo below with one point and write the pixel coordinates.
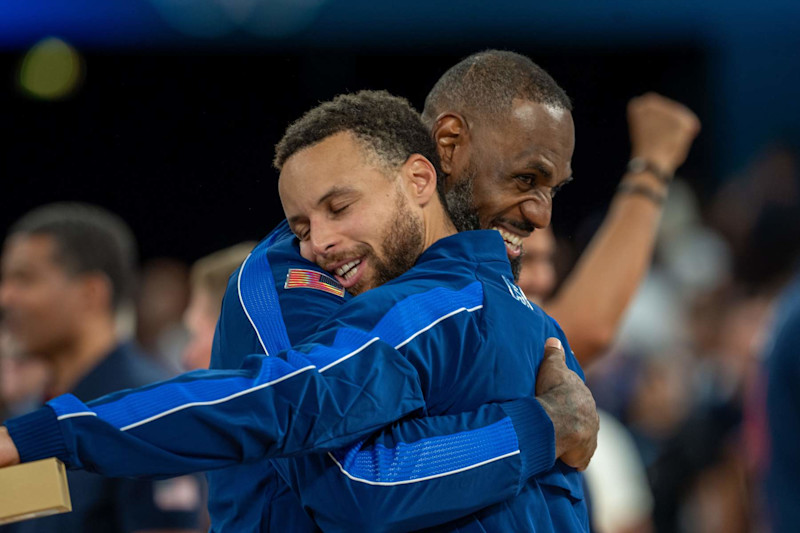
(300, 278)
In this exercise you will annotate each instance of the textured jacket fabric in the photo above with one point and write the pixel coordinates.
(443, 340)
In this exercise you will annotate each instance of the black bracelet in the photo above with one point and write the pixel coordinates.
(643, 190)
(640, 164)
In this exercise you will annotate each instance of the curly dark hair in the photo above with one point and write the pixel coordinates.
(386, 125)
(88, 239)
(487, 82)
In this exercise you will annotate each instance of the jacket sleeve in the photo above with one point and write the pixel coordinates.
(421, 472)
(323, 395)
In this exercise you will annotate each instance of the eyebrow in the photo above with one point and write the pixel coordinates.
(547, 173)
(541, 168)
(336, 190)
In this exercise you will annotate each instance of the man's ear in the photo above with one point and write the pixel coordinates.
(97, 291)
(420, 178)
(451, 133)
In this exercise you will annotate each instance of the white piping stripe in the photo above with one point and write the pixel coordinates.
(244, 308)
(287, 376)
(429, 326)
(214, 402)
(72, 415)
(348, 356)
(417, 480)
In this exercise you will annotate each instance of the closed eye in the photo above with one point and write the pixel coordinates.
(300, 232)
(527, 179)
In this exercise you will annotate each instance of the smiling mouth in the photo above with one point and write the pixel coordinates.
(513, 241)
(348, 270)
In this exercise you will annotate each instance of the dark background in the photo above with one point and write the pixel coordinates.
(181, 103)
(180, 144)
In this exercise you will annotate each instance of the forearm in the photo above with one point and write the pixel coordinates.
(593, 299)
(420, 473)
(211, 419)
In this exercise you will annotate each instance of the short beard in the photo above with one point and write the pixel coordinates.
(402, 246)
(461, 206)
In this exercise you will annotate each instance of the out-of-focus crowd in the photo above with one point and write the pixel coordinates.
(682, 389)
(686, 375)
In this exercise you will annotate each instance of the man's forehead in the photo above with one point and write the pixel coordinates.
(532, 129)
(333, 167)
(28, 249)
(527, 110)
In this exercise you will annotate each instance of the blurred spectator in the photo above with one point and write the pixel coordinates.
(766, 201)
(163, 297)
(209, 279)
(66, 270)
(783, 409)
(537, 277)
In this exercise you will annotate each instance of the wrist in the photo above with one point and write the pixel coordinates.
(656, 166)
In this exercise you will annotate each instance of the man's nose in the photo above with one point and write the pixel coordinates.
(323, 240)
(537, 211)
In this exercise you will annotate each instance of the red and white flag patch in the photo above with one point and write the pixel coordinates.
(300, 278)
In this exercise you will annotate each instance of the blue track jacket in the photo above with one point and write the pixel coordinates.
(444, 339)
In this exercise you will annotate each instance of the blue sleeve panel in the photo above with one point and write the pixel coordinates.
(423, 472)
(298, 401)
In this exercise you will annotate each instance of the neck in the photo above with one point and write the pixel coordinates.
(437, 225)
(76, 359)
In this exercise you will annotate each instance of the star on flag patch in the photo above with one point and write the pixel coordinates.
(300, 278)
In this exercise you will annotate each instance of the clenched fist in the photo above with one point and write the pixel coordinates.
(661, 130)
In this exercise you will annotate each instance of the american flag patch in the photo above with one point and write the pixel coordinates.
(299, 278)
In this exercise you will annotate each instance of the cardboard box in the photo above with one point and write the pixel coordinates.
(33, 489)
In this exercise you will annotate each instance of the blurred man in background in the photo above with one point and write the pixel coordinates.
(162, 297)
(66, 271)
(208, 279)
(783, 411)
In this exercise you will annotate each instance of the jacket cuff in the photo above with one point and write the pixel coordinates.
(37, 435)
(535, 434)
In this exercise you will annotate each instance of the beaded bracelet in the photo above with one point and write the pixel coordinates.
(643, 190)
(640, 164)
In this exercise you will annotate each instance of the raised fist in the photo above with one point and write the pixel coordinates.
(661, 130)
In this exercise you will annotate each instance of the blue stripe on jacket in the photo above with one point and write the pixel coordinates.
(428, 458)
(405, 320)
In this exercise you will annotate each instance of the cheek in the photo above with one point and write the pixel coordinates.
(43, 302)
(490, 201)
(306, 252)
